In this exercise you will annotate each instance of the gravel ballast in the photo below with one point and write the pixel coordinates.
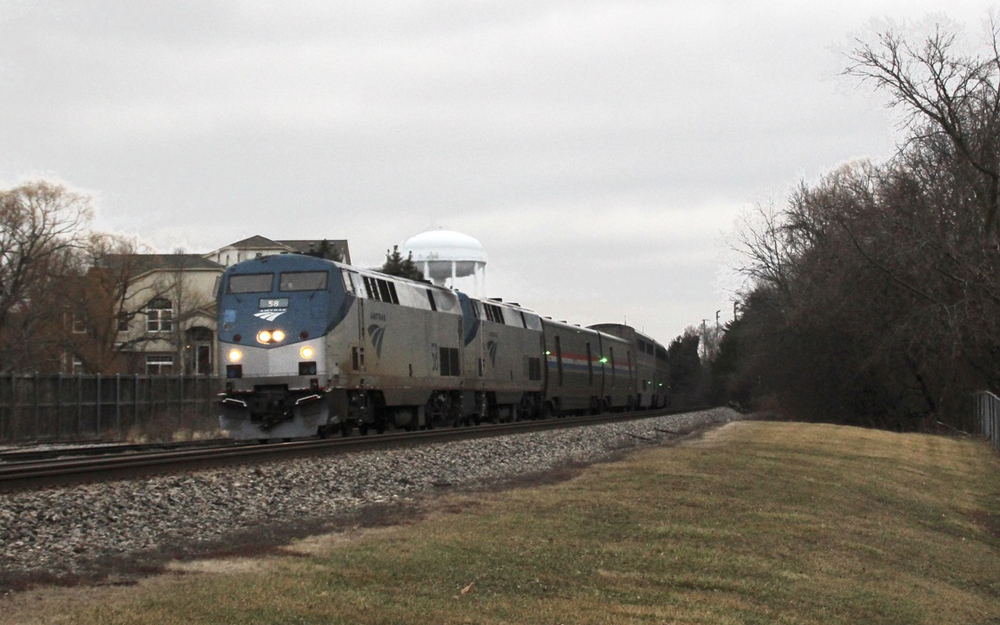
(93, 531)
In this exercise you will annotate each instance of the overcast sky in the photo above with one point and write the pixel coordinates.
(601, 150)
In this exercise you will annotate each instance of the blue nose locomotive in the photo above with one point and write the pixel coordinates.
(310, 346)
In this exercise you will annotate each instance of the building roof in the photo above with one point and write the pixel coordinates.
(144, 263)
(257, 242)
(312, 246)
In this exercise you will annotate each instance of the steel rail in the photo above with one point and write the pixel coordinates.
(67, 471)
(101, 449)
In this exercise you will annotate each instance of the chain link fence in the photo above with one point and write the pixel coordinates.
(43, 408)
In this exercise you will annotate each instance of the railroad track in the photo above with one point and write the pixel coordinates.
(101, 449)
(35, 473)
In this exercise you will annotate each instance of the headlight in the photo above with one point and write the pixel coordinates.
(235, 355)
(277, 336)
(307, 353)
(263, 336)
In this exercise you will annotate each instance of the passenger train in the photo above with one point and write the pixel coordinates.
(313, 347)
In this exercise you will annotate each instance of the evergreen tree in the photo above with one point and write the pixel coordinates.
(396, 265)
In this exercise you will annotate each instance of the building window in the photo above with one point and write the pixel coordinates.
(79, 327)
(159, 316)
(72, 364)
(123, 321)
(159, 365)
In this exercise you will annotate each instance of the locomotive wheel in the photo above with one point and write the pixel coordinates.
(429, 415)
(363, 429)
(524, 410)
(345, 430)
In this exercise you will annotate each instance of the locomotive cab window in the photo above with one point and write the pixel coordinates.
(302, 281)
(251, 283)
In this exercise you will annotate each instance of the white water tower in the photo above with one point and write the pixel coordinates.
(444, 256)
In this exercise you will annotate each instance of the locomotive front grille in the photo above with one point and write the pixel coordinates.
(270, 404)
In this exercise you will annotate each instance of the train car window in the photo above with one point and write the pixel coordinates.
(371, 288)
(303, 281)
(251, 283)
(494, 313)
(387, 291)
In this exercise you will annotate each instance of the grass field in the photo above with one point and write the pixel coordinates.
(756, 522)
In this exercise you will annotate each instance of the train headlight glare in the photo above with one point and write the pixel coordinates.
(277, 336)
(235, 355)
(264, 336)
(307, 353)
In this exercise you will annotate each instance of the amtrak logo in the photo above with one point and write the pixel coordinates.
(269, 315)
(376, 333)
(491, 347)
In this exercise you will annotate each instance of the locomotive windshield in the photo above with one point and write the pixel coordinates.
(251, 283)
(302, 281)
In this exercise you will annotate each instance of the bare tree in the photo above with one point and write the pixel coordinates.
(945, 93)
(102, 303)
(42, 226)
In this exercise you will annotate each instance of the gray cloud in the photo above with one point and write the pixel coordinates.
(598, 149)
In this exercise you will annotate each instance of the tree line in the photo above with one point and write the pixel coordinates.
(873, 295)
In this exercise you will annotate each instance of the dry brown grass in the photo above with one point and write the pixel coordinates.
(754, 523)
